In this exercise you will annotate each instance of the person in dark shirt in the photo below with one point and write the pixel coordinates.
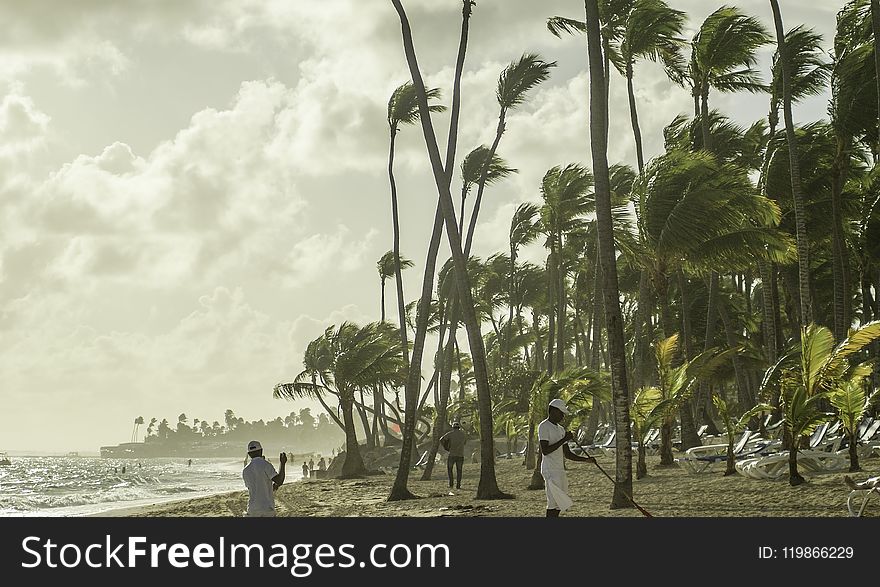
(453, 442)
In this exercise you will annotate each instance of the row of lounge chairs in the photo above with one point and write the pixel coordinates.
(761, 458)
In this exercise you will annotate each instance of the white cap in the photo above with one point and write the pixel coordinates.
(560, 405)
(254, 445)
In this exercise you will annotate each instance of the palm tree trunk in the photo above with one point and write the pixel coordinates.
(488, 485)
(353, 466)
(399, 489)
(383, 300)
(395, 221)
(634, 118)
(510, 298)
(596, 347)
(689, 436)
(551, 317)
(560, 307)
(838, 250)
(768, 317)
(604, 222)
(641, 370)
(794, 478)
(442, 405)
(875, 29)
(803, 244)
(365, 424)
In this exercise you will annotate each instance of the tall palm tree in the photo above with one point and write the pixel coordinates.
(803, 245)
(402, 109)
(344, 361)
(854, 115)
(137, 423)
(523, 230)
(442, 175)
(564, 191)
(513, 84)
(613, 320)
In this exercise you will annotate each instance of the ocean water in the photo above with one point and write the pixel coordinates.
(77, 486)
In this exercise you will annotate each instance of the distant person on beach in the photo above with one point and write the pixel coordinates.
(453, 442)
(322, 466)
(554, 437)
(123, 468)
(261, 481)
(305, 470)
(311, 464)
(189, 463)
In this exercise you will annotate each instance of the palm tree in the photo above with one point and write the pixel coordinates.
(643, 29)
(814, 371)
(342, 362)
(387, 267)
(137, 422)
(803, 245)
(854, 116)
(604, 222)
(443, 175)
(523, 230)
(564, 191)
(472, 171)
(675, 384)
(514, 82)
(403, 108)
(852, 403)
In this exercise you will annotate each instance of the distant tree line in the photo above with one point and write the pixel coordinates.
(300, 430)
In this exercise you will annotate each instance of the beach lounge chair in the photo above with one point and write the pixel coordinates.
(608, 442)
(864, 491)
(775, 466)
(701, 458)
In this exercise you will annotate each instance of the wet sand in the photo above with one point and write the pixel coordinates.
(665, 492)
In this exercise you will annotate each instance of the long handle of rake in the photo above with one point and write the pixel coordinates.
(646, 513)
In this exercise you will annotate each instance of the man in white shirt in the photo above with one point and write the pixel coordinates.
(553, 437)
(261, 481)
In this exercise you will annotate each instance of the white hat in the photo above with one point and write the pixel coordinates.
(254, 445)
(560, 405)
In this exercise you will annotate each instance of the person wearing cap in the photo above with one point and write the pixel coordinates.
(454, 441)
(261, 481)
(554, 449)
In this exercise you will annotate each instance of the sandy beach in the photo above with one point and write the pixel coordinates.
(665, 492)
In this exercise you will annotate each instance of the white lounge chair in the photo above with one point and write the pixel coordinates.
(700, 458)
(864, 491)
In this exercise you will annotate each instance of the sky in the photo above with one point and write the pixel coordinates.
(190, 192)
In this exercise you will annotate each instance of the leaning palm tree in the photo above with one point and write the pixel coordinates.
(345, 361)
(515, 82)
(403, 108)
(386, 266)
(488, 484)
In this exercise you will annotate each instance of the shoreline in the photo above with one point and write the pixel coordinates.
(665, 492)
